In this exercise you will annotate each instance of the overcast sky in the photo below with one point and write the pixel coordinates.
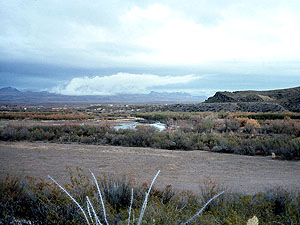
(120, 46)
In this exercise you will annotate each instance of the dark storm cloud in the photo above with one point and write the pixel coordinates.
(229, 44)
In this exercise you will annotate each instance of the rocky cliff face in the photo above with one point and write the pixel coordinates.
(288, 99)
(221, 97)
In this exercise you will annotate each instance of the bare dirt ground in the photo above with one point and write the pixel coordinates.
(183, 170)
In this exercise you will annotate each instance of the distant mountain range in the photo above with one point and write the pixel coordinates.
(256, 101)
(13, 96)
(288, 98)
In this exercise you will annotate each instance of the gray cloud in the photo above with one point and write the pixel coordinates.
(40, 40)
(96, 33)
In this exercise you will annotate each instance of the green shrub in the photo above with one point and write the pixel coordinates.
(205, 125)
(271, 116)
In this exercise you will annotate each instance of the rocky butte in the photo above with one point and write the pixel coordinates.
(288, 99)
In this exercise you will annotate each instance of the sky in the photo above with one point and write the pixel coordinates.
(79, 47)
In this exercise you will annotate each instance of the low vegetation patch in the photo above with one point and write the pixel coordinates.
(33, 201)
(217, 132)
(271, 116)
(43, 116)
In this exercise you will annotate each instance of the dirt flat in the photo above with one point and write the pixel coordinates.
(184, 170)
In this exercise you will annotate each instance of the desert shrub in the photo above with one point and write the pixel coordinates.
(117, 192)
(246, 122)
(287, 126)
(242, 121)
(8, 134)
(271, 116)
(174, 140)
(209, 188)
(253, 146)
(283, 146)
(153, 116)
(288, 150)
(164, 140)
(118, 140)
(14, 133)
(279, 198)
(64, 139)
(39, 135)
(23, 134)
(185, 126)
(251, 125)
(210, 141)
(164, 116)
(87, 140)
(41, 202)
(11, 195)
(205, 125)
(223, 114)
(182, 141)
(229, 125)
(12, 116)
(149, 137)
(207, 140)
(204, 133)
(141, 137)
(44, 116)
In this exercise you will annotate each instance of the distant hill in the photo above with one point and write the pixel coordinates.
(10, 95)
(9, 91)
(288, 98)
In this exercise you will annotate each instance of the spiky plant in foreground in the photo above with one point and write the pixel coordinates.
(91, 213)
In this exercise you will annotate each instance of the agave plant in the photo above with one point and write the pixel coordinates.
(92, 218)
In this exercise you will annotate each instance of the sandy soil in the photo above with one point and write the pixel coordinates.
(183, 170)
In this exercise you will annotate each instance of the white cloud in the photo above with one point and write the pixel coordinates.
(120, 83)
(169, 33)
(154, 12)
(268, 35)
